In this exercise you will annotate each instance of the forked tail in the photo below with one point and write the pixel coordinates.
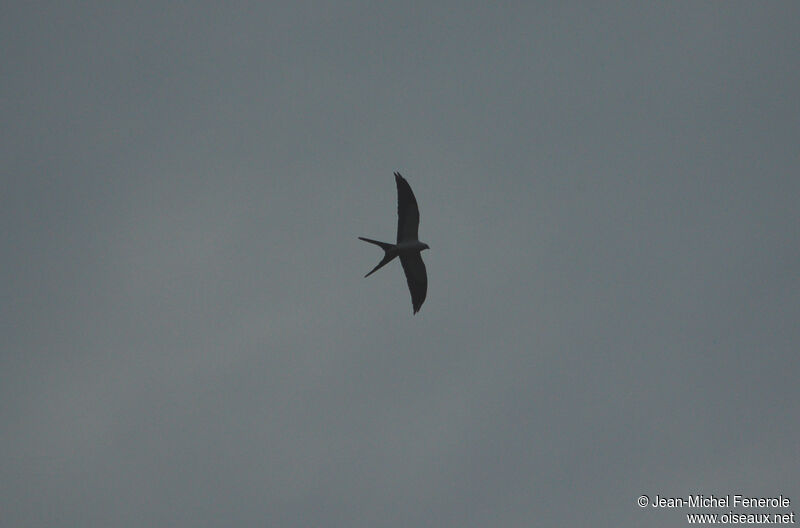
(390, 252)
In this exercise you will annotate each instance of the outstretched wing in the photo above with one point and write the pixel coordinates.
(407, 212)
(417, 278)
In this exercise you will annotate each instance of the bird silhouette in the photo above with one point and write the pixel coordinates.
(408, 246)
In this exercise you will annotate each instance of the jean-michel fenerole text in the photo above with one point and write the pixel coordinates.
(720, 501)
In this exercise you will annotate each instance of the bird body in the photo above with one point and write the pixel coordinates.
(408, 246)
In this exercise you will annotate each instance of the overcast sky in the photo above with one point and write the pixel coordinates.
(610, 193)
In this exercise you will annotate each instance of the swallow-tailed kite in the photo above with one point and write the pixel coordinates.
(408, 247)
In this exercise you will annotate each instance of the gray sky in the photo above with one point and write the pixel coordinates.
(610, 193)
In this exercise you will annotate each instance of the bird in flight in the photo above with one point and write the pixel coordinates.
(408, 247)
